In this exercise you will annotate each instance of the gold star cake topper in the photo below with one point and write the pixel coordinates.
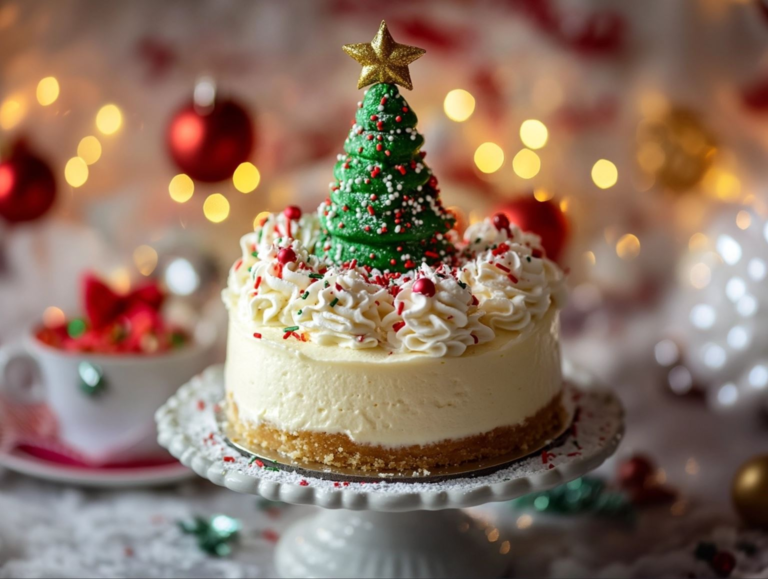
(383, 59)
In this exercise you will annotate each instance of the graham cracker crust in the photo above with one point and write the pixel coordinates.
(338, 450)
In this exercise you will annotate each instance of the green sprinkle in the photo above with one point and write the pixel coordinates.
(334, 301)
(478, 240)
(300, 312)
(253, 459)
(528, 257)
(291, 329)
(305, 295)
(178, 339)
(255, 253)
(316, 275)
(462, 285)
(327, 284)
(76, 328)
(272, 468)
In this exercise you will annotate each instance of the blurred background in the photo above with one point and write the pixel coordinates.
(631, 135)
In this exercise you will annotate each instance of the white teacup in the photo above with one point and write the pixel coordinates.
(115, 423)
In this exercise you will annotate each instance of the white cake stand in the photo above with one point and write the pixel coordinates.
(386, 528)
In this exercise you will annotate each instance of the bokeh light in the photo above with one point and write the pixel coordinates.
(628, 247)
(216, 208)
(526, 164)
(181, 188)
(459, 105)
(12, 111)
(541, 194)
(109, 119)
(76, 172)
(47, 91)
(489, 157)
(246, 177)
(181, 277)
(605, 174)
(534, 134)
(145, 258)
(89, 149)
(743, 219)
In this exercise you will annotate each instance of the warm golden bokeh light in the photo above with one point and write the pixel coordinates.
(47, 91)
(700, 275)
(145, 258)
(120, 280)
(564, 204)
(698, 242)
(89, 149)
(109, 119)
(589, 257)
(216, 208)
(53, 317)
(246, 177)
(605, 174)
(533, 134)
(542, 194)
(181, 188)
(12, 111)
(628, 247)
(743, 219)
(260, 218)
(489, 157)
(526, 164)
(76, 172)
(459, 105)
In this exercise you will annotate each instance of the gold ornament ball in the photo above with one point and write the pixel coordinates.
(676, 149)
(750, 491)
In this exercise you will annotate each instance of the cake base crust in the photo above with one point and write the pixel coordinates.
(338, 450)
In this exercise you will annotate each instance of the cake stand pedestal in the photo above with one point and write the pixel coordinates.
(386, 528)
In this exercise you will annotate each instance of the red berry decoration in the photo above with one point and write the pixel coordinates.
(501, 221)
(286, 255)
(424, 286)
(544, 218)
(636, 472)
(209, 144)
(292, 212)
(723, 563)
(27, 185)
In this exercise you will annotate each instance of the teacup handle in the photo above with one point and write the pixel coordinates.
(20, 376)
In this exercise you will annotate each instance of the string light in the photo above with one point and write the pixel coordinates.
(145, 258)
(181, 188)
(534, 134)
(216, 208)
(89, 150)
(526, 164)
(109, 119)
(53, 317)
(489, 157)
(605, 174)
(12, 111)
(459, 105)
(260, 218)
(47, 91)
(76, 172)
(246, 177)
(628, 247)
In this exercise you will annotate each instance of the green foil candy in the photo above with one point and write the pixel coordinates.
(92, 381)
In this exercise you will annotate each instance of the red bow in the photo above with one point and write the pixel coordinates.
(105, 307)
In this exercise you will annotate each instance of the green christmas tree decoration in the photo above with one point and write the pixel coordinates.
(384, 209)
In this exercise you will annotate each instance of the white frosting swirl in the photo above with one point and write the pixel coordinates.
(440, 325)
(343, 309)
(503, 283)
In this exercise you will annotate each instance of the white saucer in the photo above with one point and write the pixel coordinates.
(23, 463)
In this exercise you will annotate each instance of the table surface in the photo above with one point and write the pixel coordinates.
(48, 530)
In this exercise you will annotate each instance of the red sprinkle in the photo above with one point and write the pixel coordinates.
(257, 335)
(503, 268)
(258, 283)
(398, 326)
(512, 278)
(370, 210)
(304, 483)
(238, 264)
(259, 463)
(380, 125)
(374, 117)
(200, 405)
(229, 459)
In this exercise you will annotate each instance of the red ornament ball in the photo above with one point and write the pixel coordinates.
(286, 255)
(501, 221)
(27, 186)
(544, 218)
(292, 213)
(424, 286)
(636, 471)
(208, 144)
